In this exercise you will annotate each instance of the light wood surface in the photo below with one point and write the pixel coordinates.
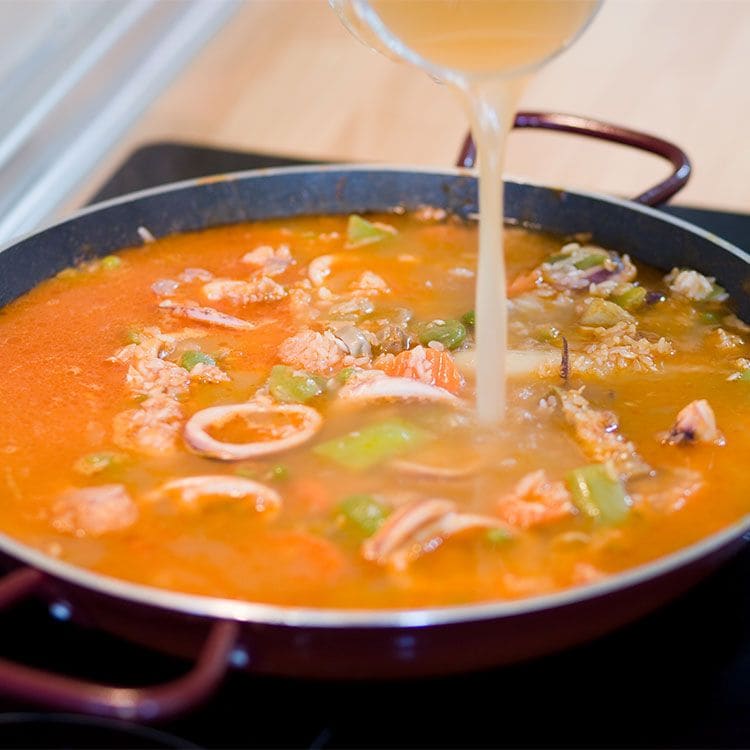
(285, 77)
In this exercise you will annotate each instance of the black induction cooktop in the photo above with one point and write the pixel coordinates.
(678, 678)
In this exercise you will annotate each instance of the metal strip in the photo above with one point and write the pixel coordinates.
(95, 100)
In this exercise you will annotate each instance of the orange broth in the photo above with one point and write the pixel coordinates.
(62, 394)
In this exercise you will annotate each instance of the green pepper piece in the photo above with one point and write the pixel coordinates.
(363, 513)
(717, 292)
(590, 261)
(498, 536)
(469, 319)
(548, 335)
(359, 231)
(745, 375)
(598, 494)
(293, 387)
(94, 463)
(190, 359)
(133, 336)
(343, 375)
(630, 299)
(449, 333)
(278, 472)
(111, 262)
(373, 444)
(601, 312)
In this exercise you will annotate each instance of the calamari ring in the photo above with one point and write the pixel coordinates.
(389, 388)
(308, 422)
(192, 489)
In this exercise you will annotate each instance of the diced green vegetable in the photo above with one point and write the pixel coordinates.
(717, 293)
(631, 298)
(343, 375)
(133, 336)
(745, 375)
(710, 318)
(190, 359)
(599, 494)
(557, 258)
(498, 536)
(450, 333)
(373, 444)
(94, 463)
(110, 262)
(548, 335)
(601, 312)
(359, 231)
(363, 512)
(590, 261)
(279, 472)
(293, 387)
(469, 319)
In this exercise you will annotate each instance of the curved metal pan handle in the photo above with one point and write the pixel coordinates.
(155, 702)
(606, 132)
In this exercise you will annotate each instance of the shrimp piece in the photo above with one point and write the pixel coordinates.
(535, 500)
(94, 511)
(427, 365)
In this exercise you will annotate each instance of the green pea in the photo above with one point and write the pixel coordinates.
(449, 333)
(278, 472)
(363, 512)
(498, 536)
(469, 319)
(631, 299)
(359, 231)
(293, 387)
(110, 262)
(190, 359)
(590, 261)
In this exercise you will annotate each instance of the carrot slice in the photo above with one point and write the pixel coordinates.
(524, 282)
(428, 366)
(313, 494)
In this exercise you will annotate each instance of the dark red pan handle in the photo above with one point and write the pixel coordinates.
(152, 703)
(606, 132)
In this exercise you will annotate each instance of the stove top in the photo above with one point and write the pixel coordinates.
(678, 678)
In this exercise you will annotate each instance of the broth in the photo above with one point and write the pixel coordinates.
(346, 338)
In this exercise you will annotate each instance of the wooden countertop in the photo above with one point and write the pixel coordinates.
(285, 77)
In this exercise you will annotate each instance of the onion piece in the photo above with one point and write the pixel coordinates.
(192, 489)
(432, 471)
(308, 422)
